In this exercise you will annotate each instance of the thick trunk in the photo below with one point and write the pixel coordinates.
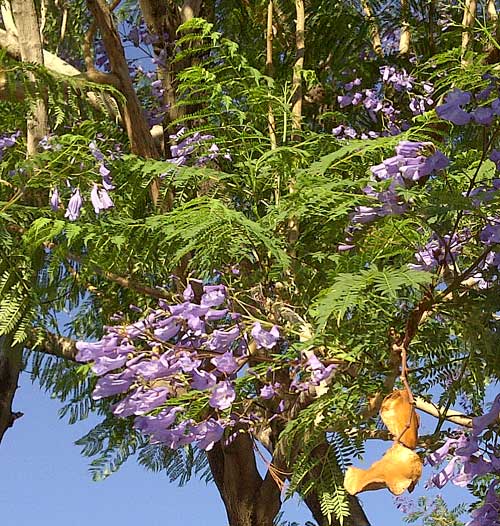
(30, 44)
(249, 500)
(10, 367)
(357, 515)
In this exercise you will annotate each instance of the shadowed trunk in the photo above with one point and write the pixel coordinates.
(249, 499)
(10, 368)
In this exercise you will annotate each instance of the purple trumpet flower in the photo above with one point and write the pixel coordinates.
(55, 201)
(74, 206)
(100, 199)
(223, 395)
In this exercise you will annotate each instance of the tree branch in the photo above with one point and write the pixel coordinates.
(443, 414)
(404, 39)
(53, 344)
(468, 20)
(297, 68)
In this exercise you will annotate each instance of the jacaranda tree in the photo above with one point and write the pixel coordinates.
(273, 223)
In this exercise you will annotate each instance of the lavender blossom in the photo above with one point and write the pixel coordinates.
(74, 206)
(208, 433)
(223, 395)
(452, 109)
(225, 363)
(100, 199)
(55, 201)
(141, 401)
(480, 423)
(112, 384)
(265, 339)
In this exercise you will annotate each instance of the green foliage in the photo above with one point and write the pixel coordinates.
(235, 214)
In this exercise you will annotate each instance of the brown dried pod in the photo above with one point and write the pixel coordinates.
(398, 470)
(400, 418)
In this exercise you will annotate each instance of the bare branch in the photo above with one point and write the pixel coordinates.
(434, 410)
(468, 20)
(269, 71)
(374, 30)
(53, 344)
(298, 67)
(141, 142)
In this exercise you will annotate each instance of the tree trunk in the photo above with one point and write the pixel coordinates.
(374, 30)
(10, 368)
(249, 499)
(468, 20)
(357, 515)
(30, 45)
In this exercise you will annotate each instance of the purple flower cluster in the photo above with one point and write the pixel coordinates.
(400, 80)
(197, 346)
(439, 251)
(7, 141)
(380, 108)
(453, 109)
(182, 150)
(413, 162)
(99, 196)
(468, 462)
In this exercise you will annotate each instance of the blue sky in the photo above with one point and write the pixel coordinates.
(44, 481)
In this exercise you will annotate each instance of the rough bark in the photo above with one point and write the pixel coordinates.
(31, 50)
(10, 368)
(249, 499)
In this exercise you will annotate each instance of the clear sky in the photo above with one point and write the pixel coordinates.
(44, 481)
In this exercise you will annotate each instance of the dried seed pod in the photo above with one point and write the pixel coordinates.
(400, 418)
(398, 470)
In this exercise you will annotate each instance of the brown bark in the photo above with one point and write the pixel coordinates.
(10, 368)
(30, 45)
(357, 516)
(141, 142)
(468, 20)
(492, 46)
(163, 20)
(54, 345)
(249, 499)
